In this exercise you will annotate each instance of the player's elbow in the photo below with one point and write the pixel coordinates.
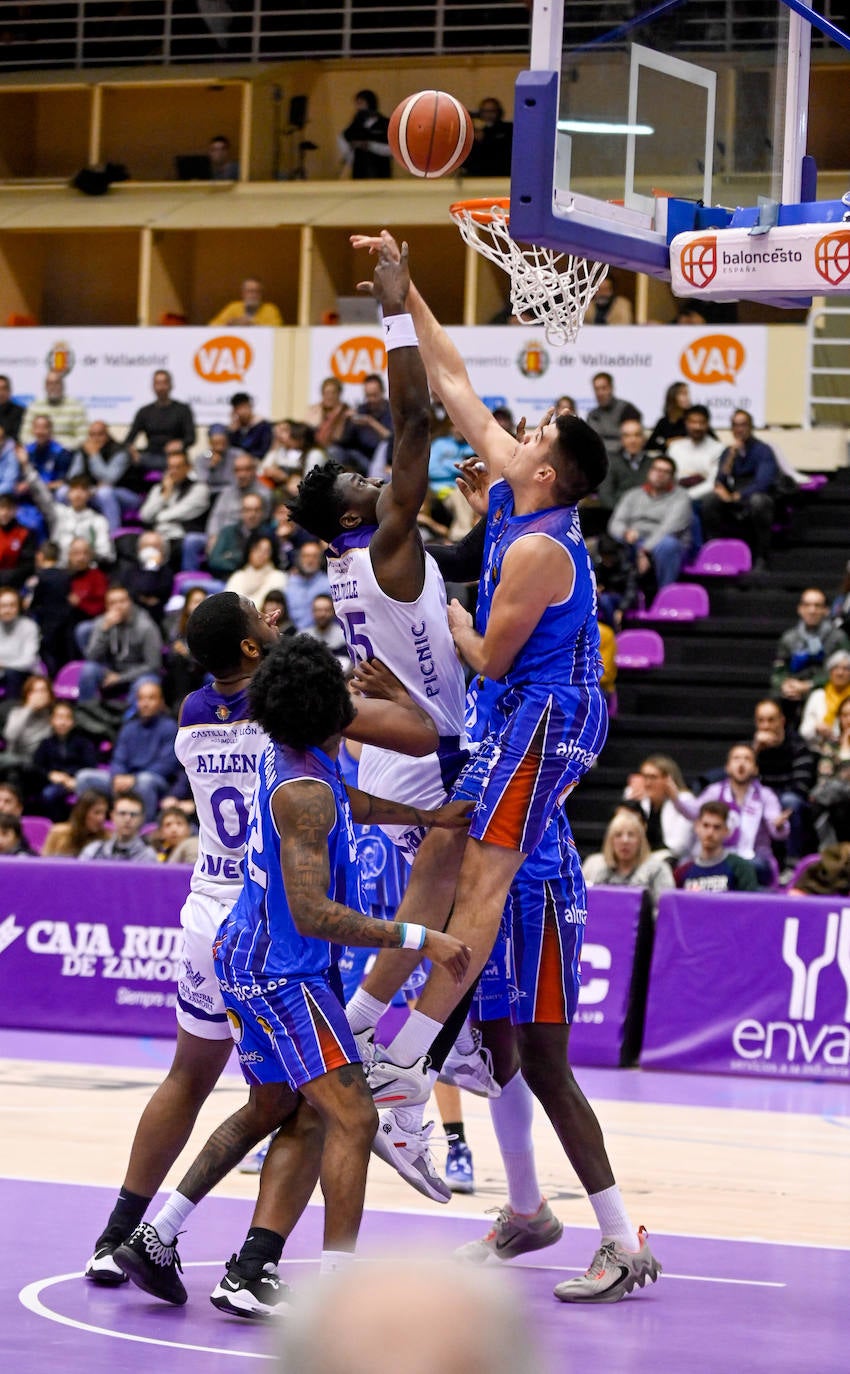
(306, 918)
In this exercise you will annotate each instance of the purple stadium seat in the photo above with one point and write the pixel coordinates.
(800, 870)
(184, 580)
(677, 601)
(722, 558)
(66, 686)
(35, 830)
(813, 483)
(640, 649)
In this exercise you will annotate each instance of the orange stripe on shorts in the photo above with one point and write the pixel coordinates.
(550, 1005)
(329, 1047)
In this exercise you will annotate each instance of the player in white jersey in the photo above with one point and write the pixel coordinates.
(219, 747)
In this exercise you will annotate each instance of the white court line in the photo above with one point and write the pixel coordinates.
(463, 1216)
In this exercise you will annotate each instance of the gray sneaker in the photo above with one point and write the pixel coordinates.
(613, 1273)
(409, 1153)
(365, 1042)
(513, 1234)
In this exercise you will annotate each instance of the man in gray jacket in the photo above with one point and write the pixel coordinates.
(178, 504)
(125, 844)
(123, 650)
(655, 521)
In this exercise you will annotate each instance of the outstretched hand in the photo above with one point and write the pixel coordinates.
(473, 483)
(375, 241)
(391, 279)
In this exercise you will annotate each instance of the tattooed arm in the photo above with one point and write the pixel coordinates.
(305, 813)
(369, 810)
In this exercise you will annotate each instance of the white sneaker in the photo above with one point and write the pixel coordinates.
(613, 1273)
(365, 1042)
(393, 1085)
(472, 1070)
(513, 1234)
(409, 1153)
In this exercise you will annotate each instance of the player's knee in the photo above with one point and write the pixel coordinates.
(544, 1072)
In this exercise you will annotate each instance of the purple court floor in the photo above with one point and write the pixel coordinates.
(734, 1306)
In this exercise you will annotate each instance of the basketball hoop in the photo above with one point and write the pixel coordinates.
(553, 289)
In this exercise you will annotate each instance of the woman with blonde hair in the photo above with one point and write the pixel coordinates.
(656, 786)
(626, 859)
(87, 822)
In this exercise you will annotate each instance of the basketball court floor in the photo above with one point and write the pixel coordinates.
(744, 1186)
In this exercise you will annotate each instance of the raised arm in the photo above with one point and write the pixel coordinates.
(448, 375)
(305, 813)
(387, 715)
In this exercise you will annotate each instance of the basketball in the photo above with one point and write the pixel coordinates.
(430, 134)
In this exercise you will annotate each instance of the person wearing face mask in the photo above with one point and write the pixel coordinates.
(626, 859)
(150, 579)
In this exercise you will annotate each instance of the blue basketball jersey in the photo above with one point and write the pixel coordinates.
(563, 649)
(259, 938)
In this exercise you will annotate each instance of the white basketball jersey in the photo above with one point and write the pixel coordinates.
(412, 638)
(219, 747)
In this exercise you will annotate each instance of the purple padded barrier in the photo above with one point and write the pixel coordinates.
(721, 558)
(678, 601)
(66, 686)
(640, 649)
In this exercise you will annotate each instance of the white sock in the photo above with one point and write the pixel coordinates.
(414, 1039)
(613, 1218)
(333, 1261)
(512, 1114)
(364, 1011)
(465, 1043)
(171, 1218)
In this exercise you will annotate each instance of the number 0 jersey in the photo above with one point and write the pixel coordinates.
(220, 749)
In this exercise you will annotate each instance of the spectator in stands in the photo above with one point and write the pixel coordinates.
(47, 457)
(12, 843)
(828, 877)
(276, 601)
(11, 453)
(182, 673)
(249, 309)
(742, 501)
(104, 462)
(46, 601)
(76, 520)
(607, 306)
(160, 421)
(490, 154)
(60, 756)
(307, 580)
(627, 469)
(11, 414)
(329, 418)
(125, 843)
(259, 574)
(565, 405)
(616, 580)
(26, 726)
(177, 505)
(654, 521)
(68, 419)
(370, 427)
(448, 448)
(18, 544)
(787, 767)
(609, 412)
(230, 549)
(89, 583)
(85, 825)
(143, 760)
(150, 579)
(326, 627)
(363, 144)
(19, 641)
(820, 714)
(216, 465)
(671, 425)
(11, 798)
(626, 859)
(756, 817)
(713, 869)
(124, 649)
(174, 842)
(287, 536)
(223, 166)
(696, 455)
(294, 451)
(247, 431)
(830, 796)
(228, 506)
(668, 832)
(800, 661)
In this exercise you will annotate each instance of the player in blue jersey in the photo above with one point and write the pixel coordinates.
(276, 952)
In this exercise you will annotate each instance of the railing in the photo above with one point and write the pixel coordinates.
(41, 35)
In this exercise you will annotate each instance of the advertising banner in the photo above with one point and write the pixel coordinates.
(750, 986)
(614, 957)
(725, 368)
(109, 370)
(794, 260)
(91, 949)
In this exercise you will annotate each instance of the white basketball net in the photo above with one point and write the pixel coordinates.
(548, 288)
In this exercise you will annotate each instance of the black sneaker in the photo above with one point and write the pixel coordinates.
(152, 1265)
(101, 1268)
(258, 1297)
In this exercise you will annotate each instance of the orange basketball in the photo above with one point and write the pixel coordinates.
(430, 134)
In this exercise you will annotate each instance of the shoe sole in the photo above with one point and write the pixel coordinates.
(472, 1086)
(390, 1096)
(460, 1185)
(410, 1175)
(134, 1268)
(104, 1278)
(650, 1275)
(511, 1252)
(224, 1302)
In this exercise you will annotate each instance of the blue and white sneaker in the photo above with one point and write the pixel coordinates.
(253, 1164)
(459, 1175)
